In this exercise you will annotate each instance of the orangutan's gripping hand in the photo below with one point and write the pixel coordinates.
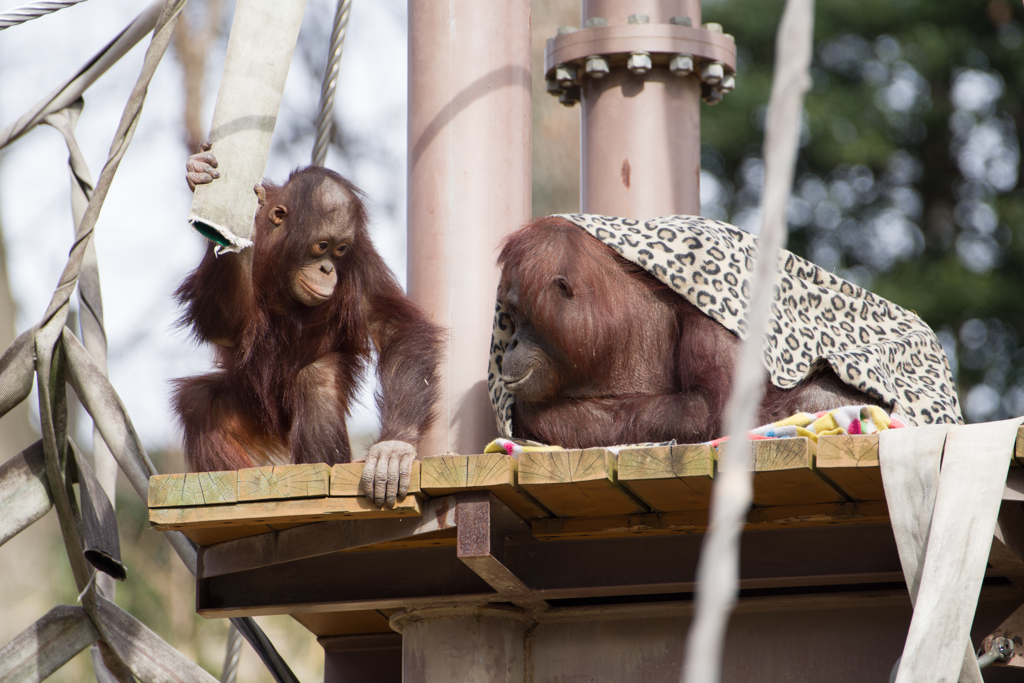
(387, 471)
(201, 167)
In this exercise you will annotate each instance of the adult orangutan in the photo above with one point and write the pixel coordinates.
(293, 320)
(593, 350)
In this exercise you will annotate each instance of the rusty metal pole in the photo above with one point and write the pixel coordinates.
(469, 186)
(640, 69)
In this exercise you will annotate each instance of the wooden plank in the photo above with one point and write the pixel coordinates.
(344, 623)
(444, 475)
(696, 521)
(784, 473)
(208, 536)
(194, 488)
(851, 463)
(576, 483)
(284, 481)
(1018, 446)
(669, 478)
(275, 512)
(345, 479)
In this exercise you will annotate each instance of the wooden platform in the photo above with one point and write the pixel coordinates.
(582, 493)
(492, 527)
(587, 492)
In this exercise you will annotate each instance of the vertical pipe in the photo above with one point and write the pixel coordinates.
(640, 133)
(463, 644)
(469, 186)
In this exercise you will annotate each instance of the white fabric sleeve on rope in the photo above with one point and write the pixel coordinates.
(263, 37)
(943, 486)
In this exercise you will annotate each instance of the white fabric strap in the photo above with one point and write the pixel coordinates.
(943, 485)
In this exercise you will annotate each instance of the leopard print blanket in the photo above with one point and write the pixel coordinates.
(818, 319)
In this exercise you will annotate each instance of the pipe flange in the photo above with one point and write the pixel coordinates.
(639, 46)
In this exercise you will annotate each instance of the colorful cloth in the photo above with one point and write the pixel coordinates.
(866, 419)
(519, 446)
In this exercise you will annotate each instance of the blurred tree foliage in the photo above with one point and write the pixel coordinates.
(908, 180)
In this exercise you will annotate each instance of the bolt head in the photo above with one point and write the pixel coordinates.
(710, 94)
(570, 96)
(681, 65)
(728, 83)
(566, 75)
(714, 28)
(639, 63)
(638, 19)
(596, 22)
(553, 87)
(681, 21)
(712, 73)
(597, 67)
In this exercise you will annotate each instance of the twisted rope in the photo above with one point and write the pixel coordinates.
(232, 654)
(325, 117)
(33, 10)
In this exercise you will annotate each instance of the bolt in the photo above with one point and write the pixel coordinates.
(553, 87)
(566, 75)
(710, 95)
(639, 62)
(681, 21)
(714, 28)
(712, 72)
(681, 65)
(728, 83)
(638, 19)
(566, 30)
(596, 22)
(597, 66)
(570, 96)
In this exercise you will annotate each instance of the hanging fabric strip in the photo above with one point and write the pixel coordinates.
(943, 485)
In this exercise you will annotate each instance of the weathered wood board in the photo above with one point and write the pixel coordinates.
(669, 478)
(784, 473)
(284, 481)
(696, 521)
(344, 623)
(443, 475)
(851, 463)
(277, 512)
(345, 479)
(194, 488)
(576, 483)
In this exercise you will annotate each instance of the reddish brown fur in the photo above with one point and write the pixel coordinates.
(287, 372)
(623, 359)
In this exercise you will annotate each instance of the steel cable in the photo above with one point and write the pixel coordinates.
(33, 10)
(325, 117)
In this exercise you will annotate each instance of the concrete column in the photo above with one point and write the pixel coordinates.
(640, 143)
(470, 645)
(376, 657)
(469, 186)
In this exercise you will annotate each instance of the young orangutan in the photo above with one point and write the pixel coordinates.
(293, 320)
